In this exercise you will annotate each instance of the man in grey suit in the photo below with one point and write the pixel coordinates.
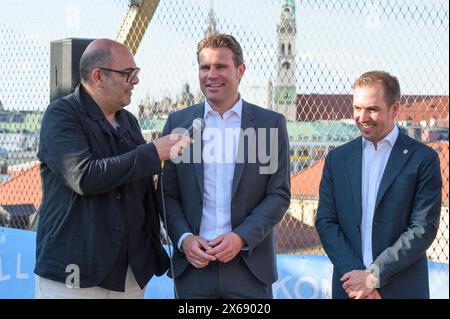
(223, 201)
(380, 201)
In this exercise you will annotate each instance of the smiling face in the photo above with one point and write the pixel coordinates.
(374, 118)
(219, 77)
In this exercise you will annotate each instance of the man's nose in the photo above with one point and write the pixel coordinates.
(135, 80)
(364, 116)
(212, 73)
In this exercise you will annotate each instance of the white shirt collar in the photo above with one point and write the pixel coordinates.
(236, 109)
(390, 138)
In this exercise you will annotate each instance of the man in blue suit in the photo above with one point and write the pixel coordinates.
(222, 205)
(380, 201)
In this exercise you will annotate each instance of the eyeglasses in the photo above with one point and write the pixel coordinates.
(131, 74)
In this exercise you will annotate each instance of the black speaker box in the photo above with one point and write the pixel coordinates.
(65, 57)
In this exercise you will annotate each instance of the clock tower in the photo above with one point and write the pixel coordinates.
(285, 92)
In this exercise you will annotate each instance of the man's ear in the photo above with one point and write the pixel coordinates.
(97, 77)
(395, 109)
(241, 71)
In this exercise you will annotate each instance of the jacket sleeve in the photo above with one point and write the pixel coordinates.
(334, 241)
(65, 148)
(269, 212)
(423, 223)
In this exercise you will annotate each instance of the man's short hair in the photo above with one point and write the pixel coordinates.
(220, 40)
(92, 59)
(389, 83)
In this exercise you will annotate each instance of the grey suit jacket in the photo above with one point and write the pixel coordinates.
(259, 201)
(405, 221)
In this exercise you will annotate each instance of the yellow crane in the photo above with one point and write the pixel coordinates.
(135, 23)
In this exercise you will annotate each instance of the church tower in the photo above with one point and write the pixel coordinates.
(285, 92)
(212, 24)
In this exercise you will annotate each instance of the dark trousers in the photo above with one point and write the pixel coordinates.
(232, 280)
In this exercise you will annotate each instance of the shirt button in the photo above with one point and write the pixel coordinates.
(119, 196)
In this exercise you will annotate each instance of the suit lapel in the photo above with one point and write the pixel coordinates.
(198, 113)
(247, 121)
(354, 162)
(400, 154)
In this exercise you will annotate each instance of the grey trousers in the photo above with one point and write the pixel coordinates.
(232, 280)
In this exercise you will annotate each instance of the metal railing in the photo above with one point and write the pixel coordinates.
(302, 58)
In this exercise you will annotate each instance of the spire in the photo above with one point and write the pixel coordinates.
(212, 24)
(285, 89)
(287, 15)
(288, 10)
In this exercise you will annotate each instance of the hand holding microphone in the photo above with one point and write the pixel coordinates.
(173, 145)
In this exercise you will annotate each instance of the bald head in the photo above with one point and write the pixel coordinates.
(98, 54)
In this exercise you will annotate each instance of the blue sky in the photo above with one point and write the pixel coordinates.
(336, 41)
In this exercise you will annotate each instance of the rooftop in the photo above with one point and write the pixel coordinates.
(22, 189)
(307, 182)
(20, 121)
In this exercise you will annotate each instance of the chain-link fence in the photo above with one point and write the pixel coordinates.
(302, 58)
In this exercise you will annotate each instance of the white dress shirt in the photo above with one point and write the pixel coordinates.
(220, 144)
(373, 164)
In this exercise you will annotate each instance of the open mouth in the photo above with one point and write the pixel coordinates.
(367, 128)
(214, 86)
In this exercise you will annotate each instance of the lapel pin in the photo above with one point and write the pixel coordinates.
(405, 151)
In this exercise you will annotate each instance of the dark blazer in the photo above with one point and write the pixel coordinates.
(88, 190)
(259, 201)
(405, 221)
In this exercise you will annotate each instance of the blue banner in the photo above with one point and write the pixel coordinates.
(17, 258)
(300, 276)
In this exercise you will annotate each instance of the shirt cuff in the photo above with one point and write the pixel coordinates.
(180, 241)
(375, 271)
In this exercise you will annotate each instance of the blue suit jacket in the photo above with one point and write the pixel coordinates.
(259, 201)
(405, 221)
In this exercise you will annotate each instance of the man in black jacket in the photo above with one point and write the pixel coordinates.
(99, 225)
